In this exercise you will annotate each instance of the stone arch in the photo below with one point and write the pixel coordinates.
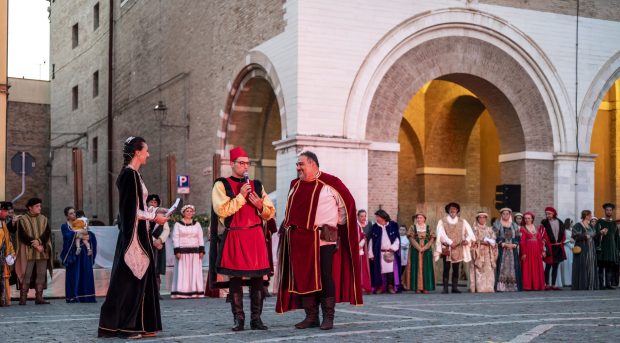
(253, 117)
(461, 24)
(504, 68)
(256, 65)
(604, 79)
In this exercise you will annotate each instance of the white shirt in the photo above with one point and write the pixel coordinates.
(330, 210)
(443, 237)
(386, 267)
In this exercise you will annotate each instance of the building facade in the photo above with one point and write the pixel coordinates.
(411, 103)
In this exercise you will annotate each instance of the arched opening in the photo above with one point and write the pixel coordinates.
(254, 124)
(605, 143)
(449, 151)
(460, 134)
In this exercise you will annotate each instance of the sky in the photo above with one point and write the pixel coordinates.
(29, 36)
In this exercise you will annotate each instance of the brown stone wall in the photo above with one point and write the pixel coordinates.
(383, 181)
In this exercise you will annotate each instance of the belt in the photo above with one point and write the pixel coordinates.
(243, 228)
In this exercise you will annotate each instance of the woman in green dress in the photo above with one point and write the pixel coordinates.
(419, 276)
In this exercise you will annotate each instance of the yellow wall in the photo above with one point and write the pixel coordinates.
(4, 24)
(428, 142)
(606, 145)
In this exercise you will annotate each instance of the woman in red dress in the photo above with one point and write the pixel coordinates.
(532, 252)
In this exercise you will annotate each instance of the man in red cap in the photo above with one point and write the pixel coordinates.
(238, 250)
(554, 236)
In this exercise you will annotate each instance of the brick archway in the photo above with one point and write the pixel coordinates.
(253, 118)
(503, 86)
(499, 82)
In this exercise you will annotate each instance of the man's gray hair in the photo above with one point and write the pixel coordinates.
(311, 155)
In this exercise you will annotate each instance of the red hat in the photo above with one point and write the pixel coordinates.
(531, 214)
(551, 209)
(237, 152)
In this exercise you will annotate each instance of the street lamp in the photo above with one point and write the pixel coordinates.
(160, 112)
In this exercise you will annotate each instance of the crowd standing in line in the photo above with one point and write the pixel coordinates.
(328, 251)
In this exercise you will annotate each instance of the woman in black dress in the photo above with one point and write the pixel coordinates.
(584, 259)
(131, 308)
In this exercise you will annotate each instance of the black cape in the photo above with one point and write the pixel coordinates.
(217, 240)
(131, 305)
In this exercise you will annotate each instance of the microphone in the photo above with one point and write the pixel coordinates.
(246, 177)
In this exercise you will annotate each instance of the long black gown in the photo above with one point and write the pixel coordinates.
(132, 303)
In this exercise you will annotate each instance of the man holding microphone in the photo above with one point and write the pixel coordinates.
(238, 252)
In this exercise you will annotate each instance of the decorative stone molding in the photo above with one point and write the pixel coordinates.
(526, 155)
(573, 156)
(319, 141)
(441, 171)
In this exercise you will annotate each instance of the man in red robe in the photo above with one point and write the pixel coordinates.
(238, 250)
(319, 246)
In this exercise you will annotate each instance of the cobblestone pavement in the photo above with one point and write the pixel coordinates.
(565, 316)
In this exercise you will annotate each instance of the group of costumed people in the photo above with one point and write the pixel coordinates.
(25, 247)
(511, 255)
(319, 250)
(328, 253)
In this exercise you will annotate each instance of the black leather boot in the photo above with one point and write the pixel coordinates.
(601, 278)
(236, 304)
(328, 307)
(445, 285)
(256, 306)
(455, 285)
(608, 276)
(312, 312)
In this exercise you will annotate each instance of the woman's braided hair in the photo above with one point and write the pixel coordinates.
(132, 144)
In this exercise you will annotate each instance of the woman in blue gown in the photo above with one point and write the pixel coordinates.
(79, 279)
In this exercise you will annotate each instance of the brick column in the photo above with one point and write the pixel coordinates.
(534, 172)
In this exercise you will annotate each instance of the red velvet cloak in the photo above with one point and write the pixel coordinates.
(298, 249)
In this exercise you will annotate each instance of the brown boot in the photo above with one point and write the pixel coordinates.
(23, 294)
(236, 304)
(328, 306)
(256, 306)
(312, 312)
(39, 296)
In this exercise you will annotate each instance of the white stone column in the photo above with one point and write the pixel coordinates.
(574, 184)
(344, 158)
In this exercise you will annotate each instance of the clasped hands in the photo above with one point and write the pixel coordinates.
(252, 197)
(454, 245)
(36, 244)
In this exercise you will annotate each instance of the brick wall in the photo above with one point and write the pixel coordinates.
(383, 181)
(28, 129)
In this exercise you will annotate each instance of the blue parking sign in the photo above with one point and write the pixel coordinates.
(183, 184)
